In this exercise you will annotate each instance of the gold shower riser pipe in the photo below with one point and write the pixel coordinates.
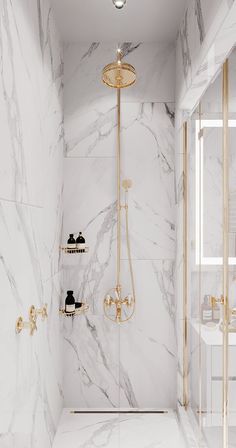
(118, 192)
(225, 250)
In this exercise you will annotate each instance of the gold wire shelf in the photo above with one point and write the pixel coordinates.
(77, 312)
(76, 250)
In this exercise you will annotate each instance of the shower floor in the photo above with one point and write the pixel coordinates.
(109, 430)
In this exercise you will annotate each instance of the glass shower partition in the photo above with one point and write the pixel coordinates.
(211, 259)
(232, 249)
(205, 252)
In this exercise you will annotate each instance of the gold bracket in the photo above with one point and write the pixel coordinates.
(22, 325)
(215, 300)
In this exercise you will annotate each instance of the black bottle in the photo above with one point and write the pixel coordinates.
(80, 243)
(71, 242)
(70, 302)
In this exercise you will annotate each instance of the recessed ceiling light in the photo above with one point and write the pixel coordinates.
(119, 3)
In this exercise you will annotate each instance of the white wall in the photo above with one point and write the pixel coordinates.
(134, 364)
(30, 221)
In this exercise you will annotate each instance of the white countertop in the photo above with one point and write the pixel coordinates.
(211, 336)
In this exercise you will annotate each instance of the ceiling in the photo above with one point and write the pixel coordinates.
(100, 21)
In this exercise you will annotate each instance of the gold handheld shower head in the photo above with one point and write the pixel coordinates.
(126, 184)
(119, 74)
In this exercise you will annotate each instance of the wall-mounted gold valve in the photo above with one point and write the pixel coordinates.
(22, 325)
(215, 300)
(34, 312)
(118, 303)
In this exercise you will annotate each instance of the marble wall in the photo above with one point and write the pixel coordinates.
(134, 364)
(30, 221)
(205, 36)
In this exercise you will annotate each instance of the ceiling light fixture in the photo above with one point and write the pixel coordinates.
(119, 4)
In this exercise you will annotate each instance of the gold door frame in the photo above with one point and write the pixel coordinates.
(185, 267)
(225, 158)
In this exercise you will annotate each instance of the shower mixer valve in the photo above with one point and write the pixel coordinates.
(119, 303)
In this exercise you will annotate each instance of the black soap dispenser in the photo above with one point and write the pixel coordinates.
(71, 243)
(80, 242)
(70, 302)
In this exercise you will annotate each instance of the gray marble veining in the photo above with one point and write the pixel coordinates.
(200, 20)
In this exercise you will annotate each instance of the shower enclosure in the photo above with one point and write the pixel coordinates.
(210, 262)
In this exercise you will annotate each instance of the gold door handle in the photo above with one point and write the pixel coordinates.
(215, 300)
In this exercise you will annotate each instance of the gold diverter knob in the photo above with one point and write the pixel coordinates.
(34, 312)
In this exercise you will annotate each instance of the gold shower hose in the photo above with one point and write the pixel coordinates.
(129, 252)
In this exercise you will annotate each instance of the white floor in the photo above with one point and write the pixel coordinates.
(118, 431)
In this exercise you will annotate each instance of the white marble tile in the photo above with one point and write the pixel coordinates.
(91, 362)
(147, 339)
(201, 54)
(101, 371)
(31, 373)
(121, 431)
(30, 221)
(30, 105)
(148, 159)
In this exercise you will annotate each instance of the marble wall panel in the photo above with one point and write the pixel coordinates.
(147, 140)
(30, 221)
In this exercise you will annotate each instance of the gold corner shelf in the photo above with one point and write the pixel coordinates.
(77, 312)
(76, 250)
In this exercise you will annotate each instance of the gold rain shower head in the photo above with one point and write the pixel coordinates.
(119, 74)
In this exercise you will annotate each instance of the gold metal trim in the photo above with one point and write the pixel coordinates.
(225, 251)
(185, 267)
(76, 250)
(200, 283)
(77, 312)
